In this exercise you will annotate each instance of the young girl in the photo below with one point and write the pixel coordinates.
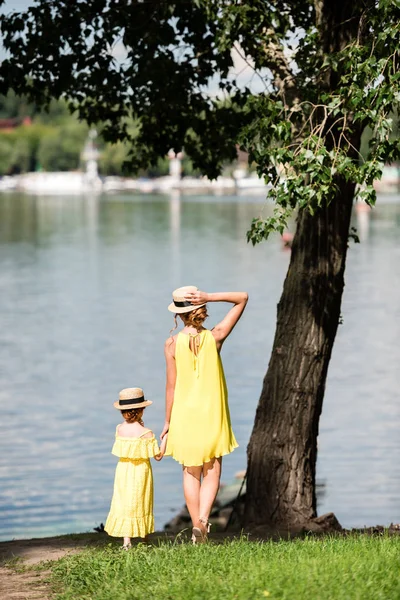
(131, 512)
(197, 412)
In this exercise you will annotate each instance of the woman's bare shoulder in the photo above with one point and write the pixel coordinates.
(170, 344)
(171, 340)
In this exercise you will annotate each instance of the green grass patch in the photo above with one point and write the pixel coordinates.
(347, 568)
(15, 563)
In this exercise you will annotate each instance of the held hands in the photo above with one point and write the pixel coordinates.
(197, 297)
(163, 445)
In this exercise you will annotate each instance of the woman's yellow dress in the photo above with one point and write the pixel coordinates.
(200, 426)
(131, 512)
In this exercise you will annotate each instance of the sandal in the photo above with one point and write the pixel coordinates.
(198, 535)
(126, 547)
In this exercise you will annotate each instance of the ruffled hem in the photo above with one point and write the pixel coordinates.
(128, 527)
(135, 448)
(193, 462)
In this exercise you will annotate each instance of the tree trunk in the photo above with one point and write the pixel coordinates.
(283, 447)
(282, 451)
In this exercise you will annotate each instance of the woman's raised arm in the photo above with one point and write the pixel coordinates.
(224, 327)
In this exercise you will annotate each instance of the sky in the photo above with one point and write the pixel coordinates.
(15, 5)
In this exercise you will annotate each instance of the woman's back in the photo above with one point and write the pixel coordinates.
(200, 423)
(199, 369)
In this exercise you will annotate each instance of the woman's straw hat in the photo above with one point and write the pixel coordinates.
(131, 398)
(180, 304)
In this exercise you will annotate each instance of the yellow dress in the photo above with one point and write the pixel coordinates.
(200, 426)
(131, 512)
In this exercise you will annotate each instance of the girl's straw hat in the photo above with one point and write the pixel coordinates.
(131, 398)
(179, 304)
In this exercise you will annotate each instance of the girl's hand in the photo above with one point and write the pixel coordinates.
(164, 431)
(197, 297)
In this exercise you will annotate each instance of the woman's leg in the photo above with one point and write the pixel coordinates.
(191, 490)
(209, 487)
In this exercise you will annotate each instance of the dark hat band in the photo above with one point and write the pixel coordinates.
(181, 304)
(131, 401)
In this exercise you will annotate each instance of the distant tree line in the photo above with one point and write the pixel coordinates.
(35, 140)
(54, 139)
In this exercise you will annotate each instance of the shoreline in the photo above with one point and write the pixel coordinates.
(35, 550)
(26, 564)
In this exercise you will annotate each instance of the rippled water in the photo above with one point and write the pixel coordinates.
(84, 286)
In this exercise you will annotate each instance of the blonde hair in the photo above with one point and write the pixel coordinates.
(133, 415)
(195, 318)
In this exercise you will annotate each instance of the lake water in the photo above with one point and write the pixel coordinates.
(84, 289)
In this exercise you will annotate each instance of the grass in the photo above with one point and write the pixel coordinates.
(356, 567)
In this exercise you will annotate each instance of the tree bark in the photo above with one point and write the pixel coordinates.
(282, 451)
(283, 447)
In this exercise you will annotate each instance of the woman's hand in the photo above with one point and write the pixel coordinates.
(197, 297)
(164, 431)
(163, 446)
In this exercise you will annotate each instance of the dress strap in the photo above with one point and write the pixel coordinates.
(144, 432)
(195, 343)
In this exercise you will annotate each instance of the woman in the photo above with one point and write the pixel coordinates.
(197, 415)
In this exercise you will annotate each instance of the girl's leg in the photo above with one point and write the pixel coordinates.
(191, 490)
(209, 487)
(127, 542)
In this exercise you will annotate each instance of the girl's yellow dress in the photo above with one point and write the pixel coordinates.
(200, 427)
(131, 512)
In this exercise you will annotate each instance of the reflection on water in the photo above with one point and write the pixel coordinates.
(84, 287)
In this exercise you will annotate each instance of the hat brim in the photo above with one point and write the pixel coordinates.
(183, 309)
(130, 406)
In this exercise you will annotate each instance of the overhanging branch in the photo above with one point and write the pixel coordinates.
(278, 63)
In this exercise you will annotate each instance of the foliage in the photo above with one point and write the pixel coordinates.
(112, 157)
(12, 106)
(300, 131)
(56, 114)
(55, 139)
(330, 568)
(5, 153)
(368, 135)
(21, 154)
(20, 148)
(61, 150)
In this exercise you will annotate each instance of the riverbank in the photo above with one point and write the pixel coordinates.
(87, 566)
(91, 566)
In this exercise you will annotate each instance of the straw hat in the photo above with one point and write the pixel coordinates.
(180, 304)
(131, 398)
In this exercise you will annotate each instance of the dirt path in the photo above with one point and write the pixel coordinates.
(18, 584)
(22, 586)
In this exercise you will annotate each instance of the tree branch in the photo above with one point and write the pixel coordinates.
(284, 79)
